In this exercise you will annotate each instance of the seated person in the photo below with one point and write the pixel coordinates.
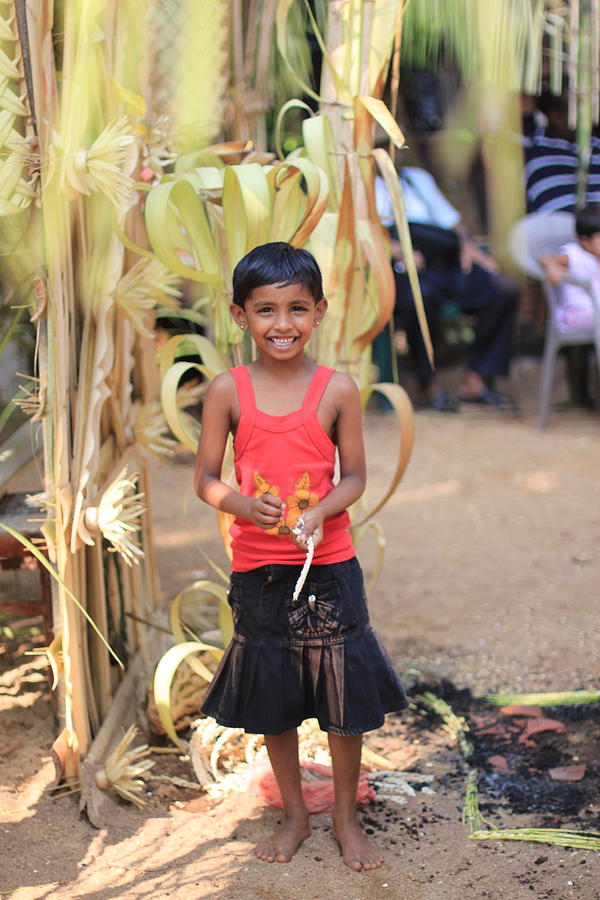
(580, 259)
(451, 268)
(552, 161)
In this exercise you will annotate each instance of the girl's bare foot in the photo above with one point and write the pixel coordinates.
(357, 852)
(284, 842)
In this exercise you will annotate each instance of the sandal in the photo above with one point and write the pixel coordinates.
(489, 397)
(439, 402)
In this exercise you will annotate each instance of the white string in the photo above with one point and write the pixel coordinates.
(310, 549)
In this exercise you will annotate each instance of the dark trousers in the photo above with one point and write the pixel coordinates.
(491, 299)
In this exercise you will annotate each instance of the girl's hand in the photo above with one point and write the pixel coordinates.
(309, 525)
(266, 511)
(556, 266)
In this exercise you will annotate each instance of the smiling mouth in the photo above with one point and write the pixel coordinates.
(282, 343)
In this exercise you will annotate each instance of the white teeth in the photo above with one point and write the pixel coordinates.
(282, 342)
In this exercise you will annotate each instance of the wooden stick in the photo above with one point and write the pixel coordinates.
(100, 663)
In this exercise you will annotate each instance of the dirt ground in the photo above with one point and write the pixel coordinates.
(490, 581)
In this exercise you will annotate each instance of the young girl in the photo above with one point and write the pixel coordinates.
(316, 656)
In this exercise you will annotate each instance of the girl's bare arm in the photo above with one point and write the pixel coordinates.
(264, 511)
(348, 429)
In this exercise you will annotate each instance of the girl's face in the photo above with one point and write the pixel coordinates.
(280, 318)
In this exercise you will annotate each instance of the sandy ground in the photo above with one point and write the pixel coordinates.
(490, 579)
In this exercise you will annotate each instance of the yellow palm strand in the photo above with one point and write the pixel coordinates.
(198, 114)
(17, 154)
(145, 285)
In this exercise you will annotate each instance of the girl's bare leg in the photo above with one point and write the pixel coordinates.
(356, 850)
(283, 843)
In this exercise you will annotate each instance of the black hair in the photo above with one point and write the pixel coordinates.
(548, 102)
(587, 220)
(276, 263)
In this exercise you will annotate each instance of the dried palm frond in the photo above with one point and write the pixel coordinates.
(106, 166)
(18, 172)
(54, 654)
(471, 814)
(454, 725)
(124, 769)
(219, 753)
(156, 154)
(500, 42)
(145, 285)
(150, 429)
(197, 115)
(556, 698)
(473, 819)
(190, 393)
(64, 789)
(31, 402)
(224, 755)
(117, 516)
(166, 673)
(61, 583)
(559, 837)
(187, 693)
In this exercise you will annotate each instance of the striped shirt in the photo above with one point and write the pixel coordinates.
(551, 173)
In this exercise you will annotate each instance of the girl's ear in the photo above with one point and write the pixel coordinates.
(320, 310)
(239, 315)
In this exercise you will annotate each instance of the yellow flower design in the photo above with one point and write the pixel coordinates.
(296, 504)
(263, 487)
(303, 499)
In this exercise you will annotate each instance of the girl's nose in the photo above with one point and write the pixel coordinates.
(283, 320)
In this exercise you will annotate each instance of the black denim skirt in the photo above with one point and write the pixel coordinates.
(317, 657)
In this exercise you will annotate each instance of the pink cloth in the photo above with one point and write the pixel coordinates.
(316, 783)
(576, 308)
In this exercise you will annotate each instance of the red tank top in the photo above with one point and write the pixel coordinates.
(291, 457)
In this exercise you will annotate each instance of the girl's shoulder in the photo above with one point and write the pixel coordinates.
(223, 381)
(222, 387)
(342, 386)
(222, 399)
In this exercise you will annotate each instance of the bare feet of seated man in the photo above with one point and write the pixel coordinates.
(357, 852)
(283, 843)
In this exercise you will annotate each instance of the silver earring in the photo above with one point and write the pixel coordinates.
(242, 326)
(317, 323)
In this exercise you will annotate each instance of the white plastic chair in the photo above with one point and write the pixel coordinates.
(534, 236)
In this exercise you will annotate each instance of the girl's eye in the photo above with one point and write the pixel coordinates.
(265, 309)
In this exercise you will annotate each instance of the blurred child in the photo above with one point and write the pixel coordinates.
(579, 259)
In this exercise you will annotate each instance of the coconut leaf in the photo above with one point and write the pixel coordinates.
(404, 414)
(559, 837)
(50, 568)
(164, 674)
(557, 698)
(197, 594)
(291, 104)
(454, 725)
(471, 814)
(198, 115)
(171, 207)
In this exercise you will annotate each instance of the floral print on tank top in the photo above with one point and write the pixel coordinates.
(295, 505)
